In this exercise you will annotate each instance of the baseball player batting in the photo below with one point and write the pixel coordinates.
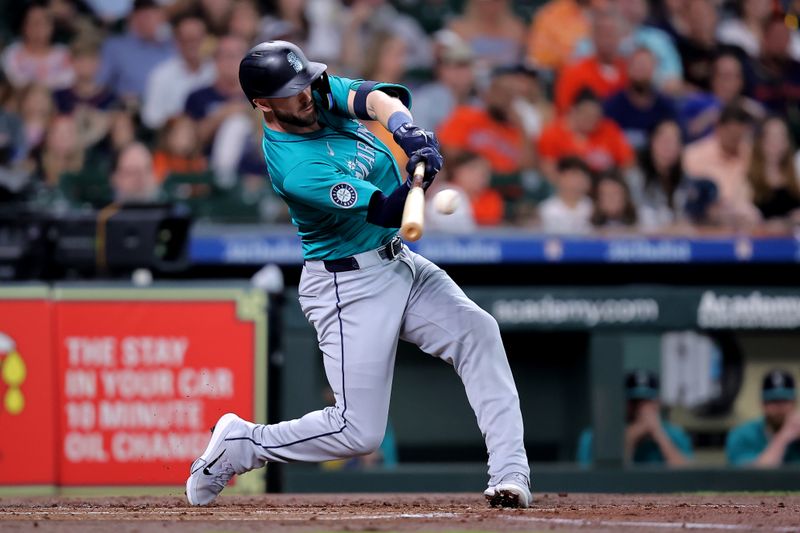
(361, 288)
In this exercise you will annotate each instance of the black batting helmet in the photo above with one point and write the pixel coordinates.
(277, 69)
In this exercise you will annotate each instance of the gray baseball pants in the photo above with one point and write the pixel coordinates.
(359, 316)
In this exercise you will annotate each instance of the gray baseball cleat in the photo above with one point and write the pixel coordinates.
(512, 491)
(222, 459)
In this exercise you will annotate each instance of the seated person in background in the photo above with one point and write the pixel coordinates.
(668, 76)
(128, 59)
(179, 149)
(639, 107)
(777, 75)
(61, 152)
(700, 111)
(774, 175)
(496, 132)
(36, 110)
(584, 132)
(699, 46)
(774, 439)
(656, 184)
(34, 58)
(557, 27)
(133, 179)
(604, 72)
(469, 175)
(648, 438)
(172, 80)
(212, 105)
(746, 30)
(89, 102)
(453, 85)
(85, 92)
(570, 209)
(724, 158)
(494, 32)
(613, 206)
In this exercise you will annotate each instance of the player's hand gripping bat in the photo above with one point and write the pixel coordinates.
(413, 222)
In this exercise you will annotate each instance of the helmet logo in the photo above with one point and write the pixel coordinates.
(294, 61)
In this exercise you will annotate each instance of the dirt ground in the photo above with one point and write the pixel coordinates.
(405, 512)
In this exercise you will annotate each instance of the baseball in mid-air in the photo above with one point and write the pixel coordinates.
(446, 201)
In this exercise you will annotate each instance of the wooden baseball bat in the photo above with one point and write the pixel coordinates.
(414, 210)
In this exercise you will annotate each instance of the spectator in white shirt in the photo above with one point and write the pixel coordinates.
(171, 82)
(34, 58)
(570, 210)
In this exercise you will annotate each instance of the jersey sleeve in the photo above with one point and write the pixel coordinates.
(341, 87)
(584, 453)
(326, 188)
(682, 441)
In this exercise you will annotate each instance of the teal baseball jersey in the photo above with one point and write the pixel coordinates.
(746, 441)
(328, 176)
(646, 452)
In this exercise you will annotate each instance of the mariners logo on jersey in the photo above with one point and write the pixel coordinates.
(344, 195)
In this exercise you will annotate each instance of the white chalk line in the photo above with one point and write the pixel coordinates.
(259, 514)
(641, 524)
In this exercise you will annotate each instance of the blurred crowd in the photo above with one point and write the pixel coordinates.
(567, 116)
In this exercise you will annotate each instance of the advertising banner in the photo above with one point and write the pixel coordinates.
(142, 380)
(27, 389)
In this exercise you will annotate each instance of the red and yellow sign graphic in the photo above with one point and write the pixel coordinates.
(12, 374)
(27, 393)
(141, 382)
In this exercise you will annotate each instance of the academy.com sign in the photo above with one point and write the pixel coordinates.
(585, 311)
(752, 311)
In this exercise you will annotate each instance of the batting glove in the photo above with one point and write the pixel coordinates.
(412, 138)
(433, 164)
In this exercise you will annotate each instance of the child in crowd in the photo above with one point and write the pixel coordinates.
(570, 210)
(179, 149)
(469, 175)
(613, 206)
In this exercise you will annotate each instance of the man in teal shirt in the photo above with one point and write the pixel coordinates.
(648, 438)
(773, 439)
(361, 288)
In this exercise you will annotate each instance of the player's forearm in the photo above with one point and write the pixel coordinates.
(381, 106)
(672, 455)
(773, 454)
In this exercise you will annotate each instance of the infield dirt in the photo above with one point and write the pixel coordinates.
(405, 512)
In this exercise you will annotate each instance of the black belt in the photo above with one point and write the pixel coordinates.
(390, 250)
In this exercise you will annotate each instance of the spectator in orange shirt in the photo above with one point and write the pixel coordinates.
(585, 133)
(604, 72)
(179, 149)
(479, 205)
(496, 131)
(472, 174)
(557, 27)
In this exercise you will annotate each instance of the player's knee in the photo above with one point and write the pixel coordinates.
(365, 443)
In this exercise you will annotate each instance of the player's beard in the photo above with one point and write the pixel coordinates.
(297, 119)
